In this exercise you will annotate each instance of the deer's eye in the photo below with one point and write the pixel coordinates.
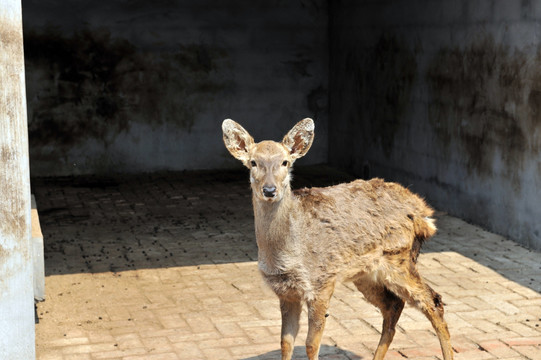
(253, 163)
(285, 163)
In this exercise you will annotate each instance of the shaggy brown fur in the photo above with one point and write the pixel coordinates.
(367, 232)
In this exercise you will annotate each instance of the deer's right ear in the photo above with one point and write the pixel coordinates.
(237, 140)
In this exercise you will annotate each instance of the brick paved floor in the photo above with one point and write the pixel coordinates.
(162, 266)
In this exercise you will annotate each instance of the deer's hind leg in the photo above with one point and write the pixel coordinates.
(391, 308)
(408, 284)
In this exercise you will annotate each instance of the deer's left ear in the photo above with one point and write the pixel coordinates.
(299, 139)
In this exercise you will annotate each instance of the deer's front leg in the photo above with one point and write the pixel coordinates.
(291, 312)
(317, 313)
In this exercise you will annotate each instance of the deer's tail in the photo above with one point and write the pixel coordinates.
(423, 228)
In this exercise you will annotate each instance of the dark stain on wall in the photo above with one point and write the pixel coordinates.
(13, 194)
(534, 98)
(318, 100)
(11, 39)
(392, 71)
(385, 79)
(484, 102)
(91, 85)
(298, 68)
(12, 221)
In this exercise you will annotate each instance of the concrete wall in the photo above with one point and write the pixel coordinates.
(444, 96)
(144, 85)
(16, 286)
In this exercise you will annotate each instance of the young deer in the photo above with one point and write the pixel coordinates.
(367, 232)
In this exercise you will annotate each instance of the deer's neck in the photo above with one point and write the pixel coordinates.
(273, 219)
(273, 228)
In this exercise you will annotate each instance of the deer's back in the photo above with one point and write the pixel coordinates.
(359, 217)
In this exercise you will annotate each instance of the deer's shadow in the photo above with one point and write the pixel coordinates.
(299, 353)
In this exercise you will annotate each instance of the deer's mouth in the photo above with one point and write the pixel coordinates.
(270, 199)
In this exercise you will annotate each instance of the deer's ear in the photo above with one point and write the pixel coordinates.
(237, 140)
(299, 139)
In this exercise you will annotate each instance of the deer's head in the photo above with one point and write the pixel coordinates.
(269, 161)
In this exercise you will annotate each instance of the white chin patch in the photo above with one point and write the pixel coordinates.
(268, 199)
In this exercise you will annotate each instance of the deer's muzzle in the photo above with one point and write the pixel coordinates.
(269, 191)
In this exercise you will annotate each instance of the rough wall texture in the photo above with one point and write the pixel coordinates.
(143, 86)
(444, 96)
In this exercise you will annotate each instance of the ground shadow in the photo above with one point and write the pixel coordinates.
(326, 352)
(495, 252)
(115, 223)
(95, 224)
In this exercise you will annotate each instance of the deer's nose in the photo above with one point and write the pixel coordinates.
(269, 191)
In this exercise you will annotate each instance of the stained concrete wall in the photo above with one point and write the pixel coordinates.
(443, 96)
(144, 85)
(16, 285)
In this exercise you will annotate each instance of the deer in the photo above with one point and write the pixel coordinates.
(368, 232)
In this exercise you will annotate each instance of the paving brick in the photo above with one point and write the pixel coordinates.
(87, 349)
(162, 266)
(228, 328)
(172, 321)
(490, 313)
(474, 355)
(530, 351)
(522, 329)
(217, 353)
(395, 355)
(128, 341)
(68, 341)
(225, 342)
(196, 337)
(463, 344)
(166, 356)
(520, 341)
(357, 327)
(117, 354)
(421, 352)
(498, 349)
(487, 325)
(77, 357)
(260, 335)
(50, 355)
(482, 336)
(253, 350)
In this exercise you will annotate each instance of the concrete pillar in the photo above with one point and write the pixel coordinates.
(17, 336)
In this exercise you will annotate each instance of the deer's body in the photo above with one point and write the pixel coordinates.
(367, 232)
(342, 232)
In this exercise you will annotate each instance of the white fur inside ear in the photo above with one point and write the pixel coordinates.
(307, 124)
(299, 139)
(237, 140)
(228, 125)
